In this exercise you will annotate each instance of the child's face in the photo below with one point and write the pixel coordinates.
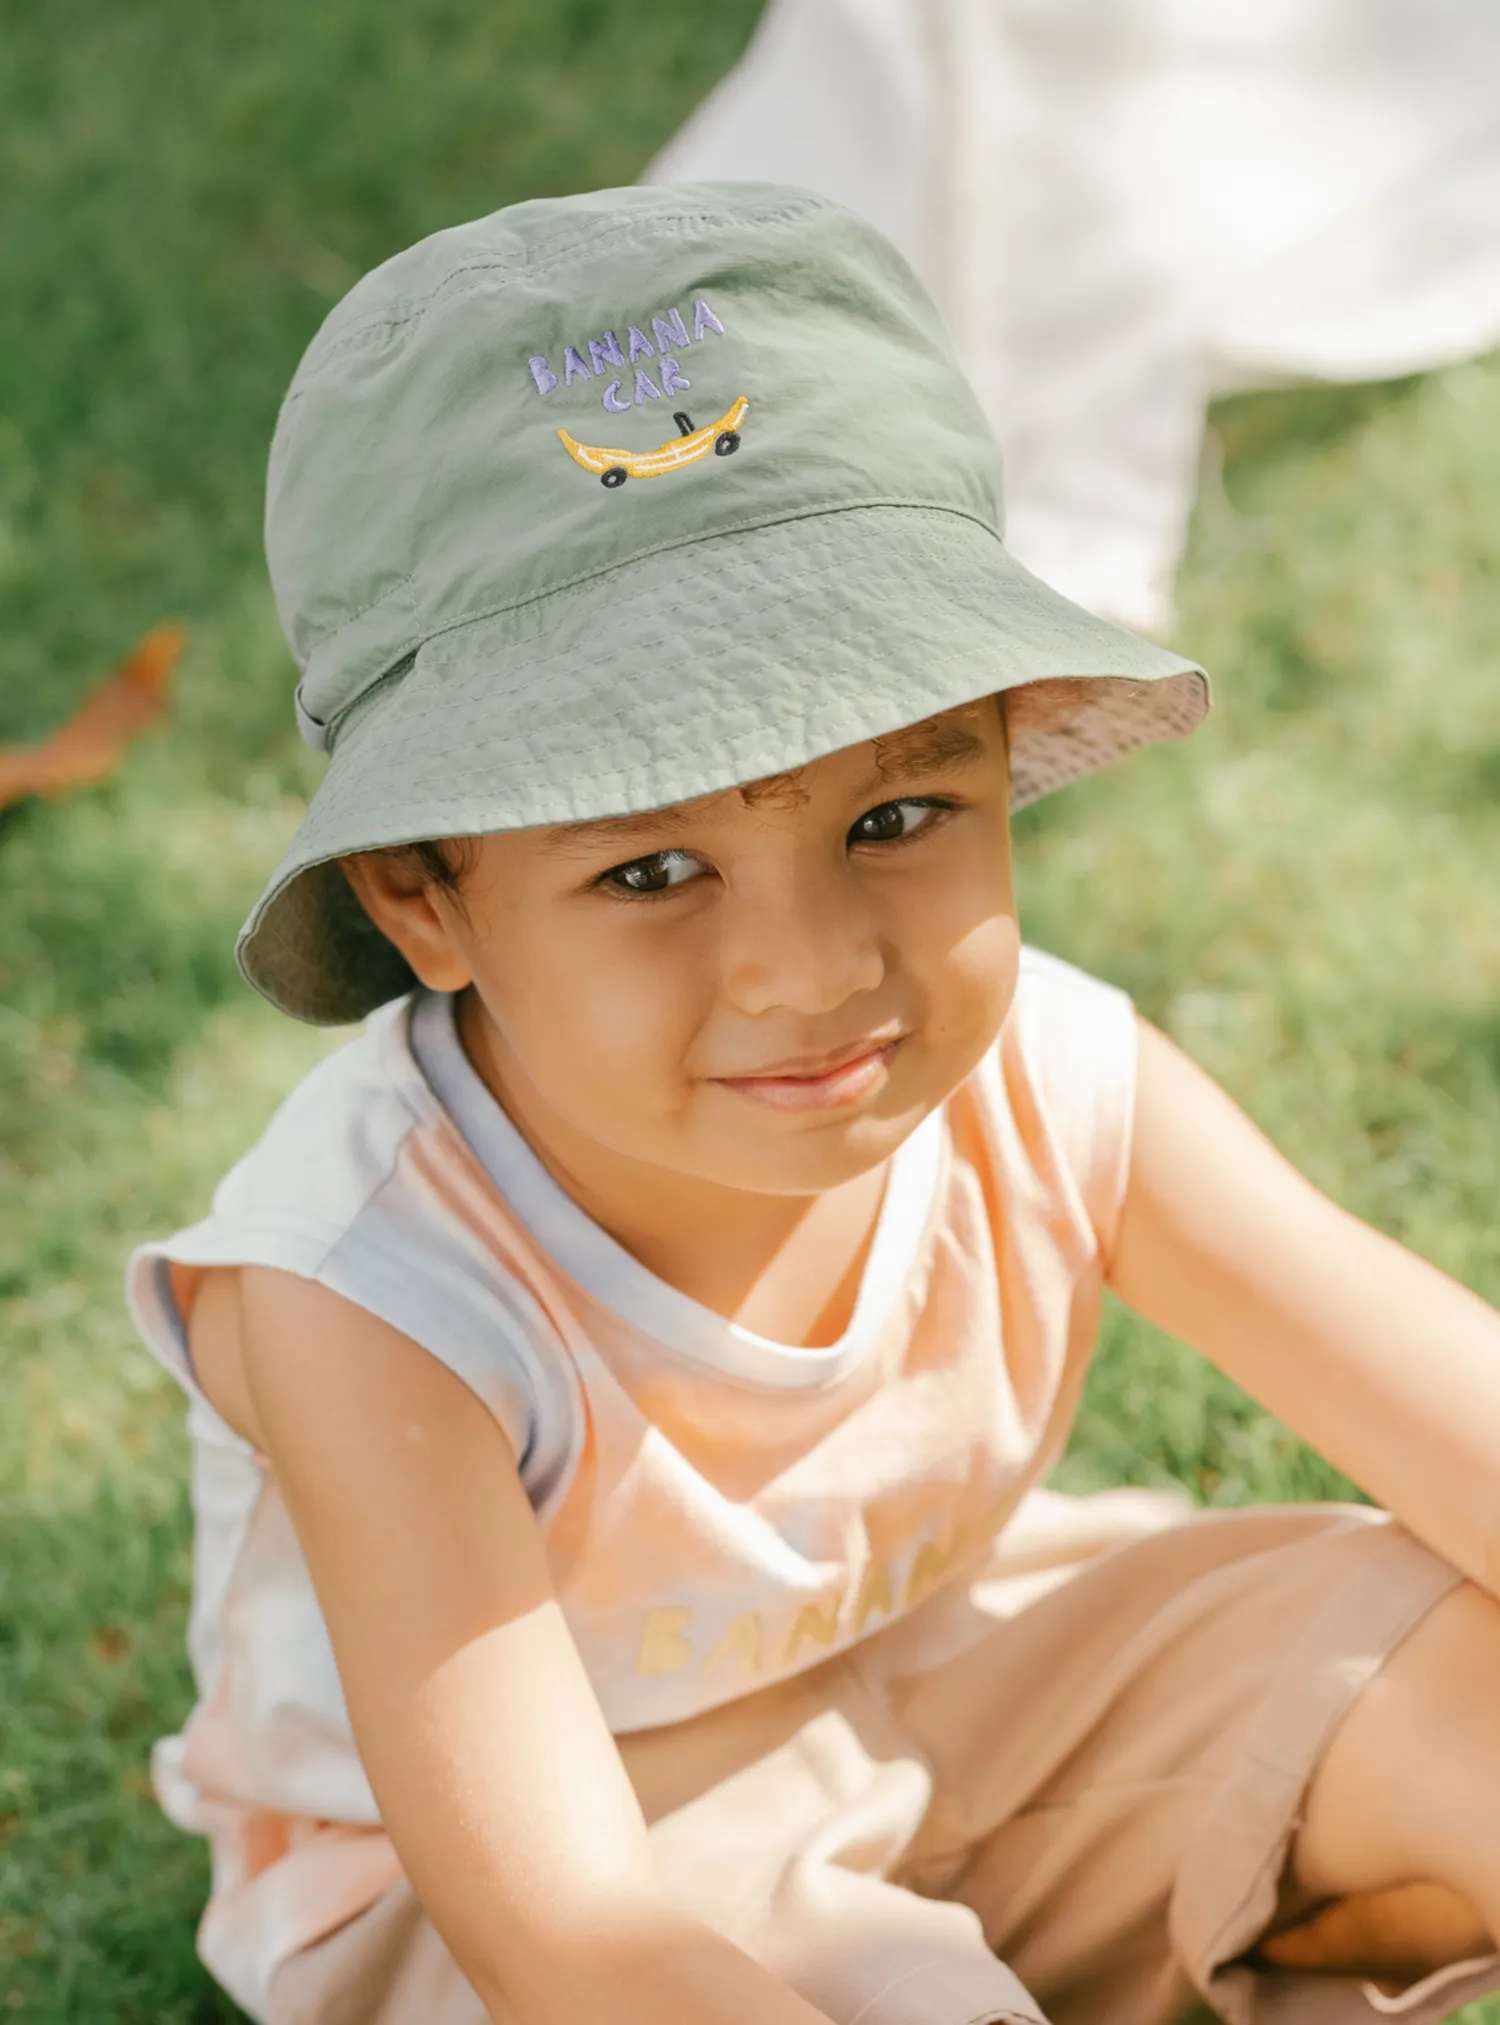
(766, 989)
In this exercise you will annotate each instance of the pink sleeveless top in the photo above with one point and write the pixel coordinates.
(719, 1510)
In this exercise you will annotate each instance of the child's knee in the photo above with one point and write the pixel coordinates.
(1410, 1786)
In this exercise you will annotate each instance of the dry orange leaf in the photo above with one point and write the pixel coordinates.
(88, 746)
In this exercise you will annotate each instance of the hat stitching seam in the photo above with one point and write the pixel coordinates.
(398, 585)
(534, 264)
(733, 740)
(750, 525)
(609, 233)
(660, 638)
(1072, 737)
(415, 644)
(1158, 693)
(668, 613)
(544, 670)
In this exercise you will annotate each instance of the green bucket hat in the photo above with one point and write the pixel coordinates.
(606, 502)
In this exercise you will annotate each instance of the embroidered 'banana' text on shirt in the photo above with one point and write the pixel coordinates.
(671, 1638)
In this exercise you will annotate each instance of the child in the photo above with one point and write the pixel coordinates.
(621, 1378)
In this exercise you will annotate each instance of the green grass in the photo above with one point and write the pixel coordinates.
(1305, 896)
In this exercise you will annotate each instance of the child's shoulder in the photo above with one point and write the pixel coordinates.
(1058, 1092)
(359, 1183)
(1045, 977)
(1068, 1023)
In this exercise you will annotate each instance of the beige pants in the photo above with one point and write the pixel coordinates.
(1064, 1791)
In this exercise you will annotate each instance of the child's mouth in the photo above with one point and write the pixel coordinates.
(842, 1078)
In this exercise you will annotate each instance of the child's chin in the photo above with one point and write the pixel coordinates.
(811, 1153)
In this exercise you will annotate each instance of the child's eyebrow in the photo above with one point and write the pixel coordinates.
(926, 747)
(618, 833)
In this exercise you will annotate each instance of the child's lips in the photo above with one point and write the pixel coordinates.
(824, 1083)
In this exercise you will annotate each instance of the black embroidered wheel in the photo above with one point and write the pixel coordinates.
(615, 475)
(726, 444)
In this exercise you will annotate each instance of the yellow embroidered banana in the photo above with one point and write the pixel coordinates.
(613, 467)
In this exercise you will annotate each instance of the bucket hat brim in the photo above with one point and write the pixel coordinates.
(730, 659)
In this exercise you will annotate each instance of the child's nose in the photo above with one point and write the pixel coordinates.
(806, 948)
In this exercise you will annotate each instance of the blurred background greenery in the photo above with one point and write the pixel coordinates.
(1306, 897)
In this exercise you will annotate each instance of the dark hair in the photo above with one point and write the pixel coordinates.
(444, 862)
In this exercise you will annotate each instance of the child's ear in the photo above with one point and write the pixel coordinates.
(407, 908)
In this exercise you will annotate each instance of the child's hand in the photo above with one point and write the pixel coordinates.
(1403, 1934)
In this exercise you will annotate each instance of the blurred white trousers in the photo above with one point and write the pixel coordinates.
(1126, 207)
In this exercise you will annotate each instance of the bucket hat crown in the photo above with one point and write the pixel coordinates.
(603, 503)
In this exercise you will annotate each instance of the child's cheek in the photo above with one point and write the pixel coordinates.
(957, 927)
(971, 984)
(630, 1026)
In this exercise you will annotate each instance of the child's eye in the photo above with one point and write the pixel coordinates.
(893, 822)
(655, 874)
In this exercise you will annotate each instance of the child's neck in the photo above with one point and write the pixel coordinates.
(787, 1267)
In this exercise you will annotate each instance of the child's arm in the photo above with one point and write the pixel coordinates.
(1387, 1367)
(496, 1776)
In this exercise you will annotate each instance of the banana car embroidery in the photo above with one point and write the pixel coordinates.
(613, 467)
